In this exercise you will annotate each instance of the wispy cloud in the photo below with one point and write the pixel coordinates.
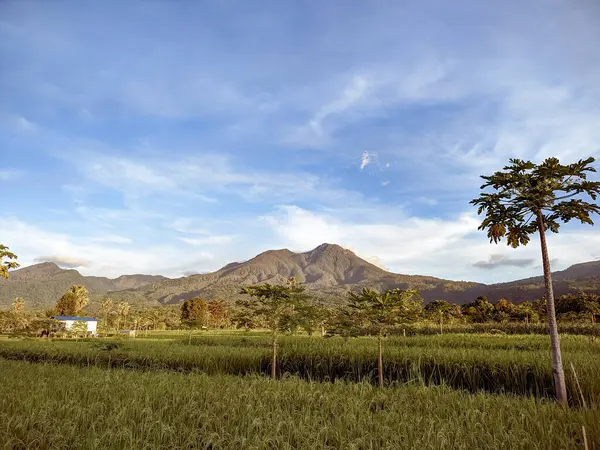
(65, 262)
(498, 261)
(9, 174)
(112, 239)
(208, 240)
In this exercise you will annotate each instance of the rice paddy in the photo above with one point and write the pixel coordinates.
(209, 391)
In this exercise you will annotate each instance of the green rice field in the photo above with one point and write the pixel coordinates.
(209, 391)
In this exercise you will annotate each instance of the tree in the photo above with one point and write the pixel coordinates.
(73, 301)
(105, 309)
(218, 312)
(480, 310)
(526, 311)
(313, 317)
(529, 199)
(442, 311)
(195, 312)
(380, 311)
(276, 304)
(122, 312)
(5, 266)
(503, 310)
(583, 304)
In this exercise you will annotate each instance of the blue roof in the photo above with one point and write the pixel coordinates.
(87, 319)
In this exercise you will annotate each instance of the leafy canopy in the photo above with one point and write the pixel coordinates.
(73, 301)
(379, 311)
(276, 304)
(195, 310)
(523, 190)
(5, 266)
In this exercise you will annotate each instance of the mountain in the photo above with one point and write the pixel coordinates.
(328, 272)
(41, 285)
(578, 277)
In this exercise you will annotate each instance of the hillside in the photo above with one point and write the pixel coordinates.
(41, 285)
(328, 272)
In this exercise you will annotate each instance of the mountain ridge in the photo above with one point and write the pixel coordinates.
(328, 271)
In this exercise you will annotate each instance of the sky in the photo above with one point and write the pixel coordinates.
(175, 137)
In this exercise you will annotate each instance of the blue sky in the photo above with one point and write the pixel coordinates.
(175, 137)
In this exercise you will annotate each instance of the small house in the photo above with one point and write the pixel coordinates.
(68, 322)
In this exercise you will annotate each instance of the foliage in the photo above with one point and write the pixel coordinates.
(524, 189)
(480, 310)
(78, 329)
(587, 305)
(105, 310)
(442, 311)
(5, 266)
(73, 301)
(219, 313)
(378, 312)
(276, 305)
(195, 311)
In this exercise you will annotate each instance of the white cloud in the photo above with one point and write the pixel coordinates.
(32, 244)
(425, 246)
(365, 160)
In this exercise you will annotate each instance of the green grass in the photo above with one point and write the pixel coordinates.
(51, 407)
(517, 365)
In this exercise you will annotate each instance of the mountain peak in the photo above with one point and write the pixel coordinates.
(328, 247)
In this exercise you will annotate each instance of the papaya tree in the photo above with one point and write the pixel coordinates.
(277, 305)
(381, 311)
(10, 263)
(530, 198)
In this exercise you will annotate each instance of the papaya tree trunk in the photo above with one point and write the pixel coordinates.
(274, 361)
(379, 362)
(557, 365)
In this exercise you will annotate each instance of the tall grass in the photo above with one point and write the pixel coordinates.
(516, 365)
(50, 407)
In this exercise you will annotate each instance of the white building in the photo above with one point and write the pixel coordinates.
(70, 320)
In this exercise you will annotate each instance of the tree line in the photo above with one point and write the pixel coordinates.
(308, 316)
